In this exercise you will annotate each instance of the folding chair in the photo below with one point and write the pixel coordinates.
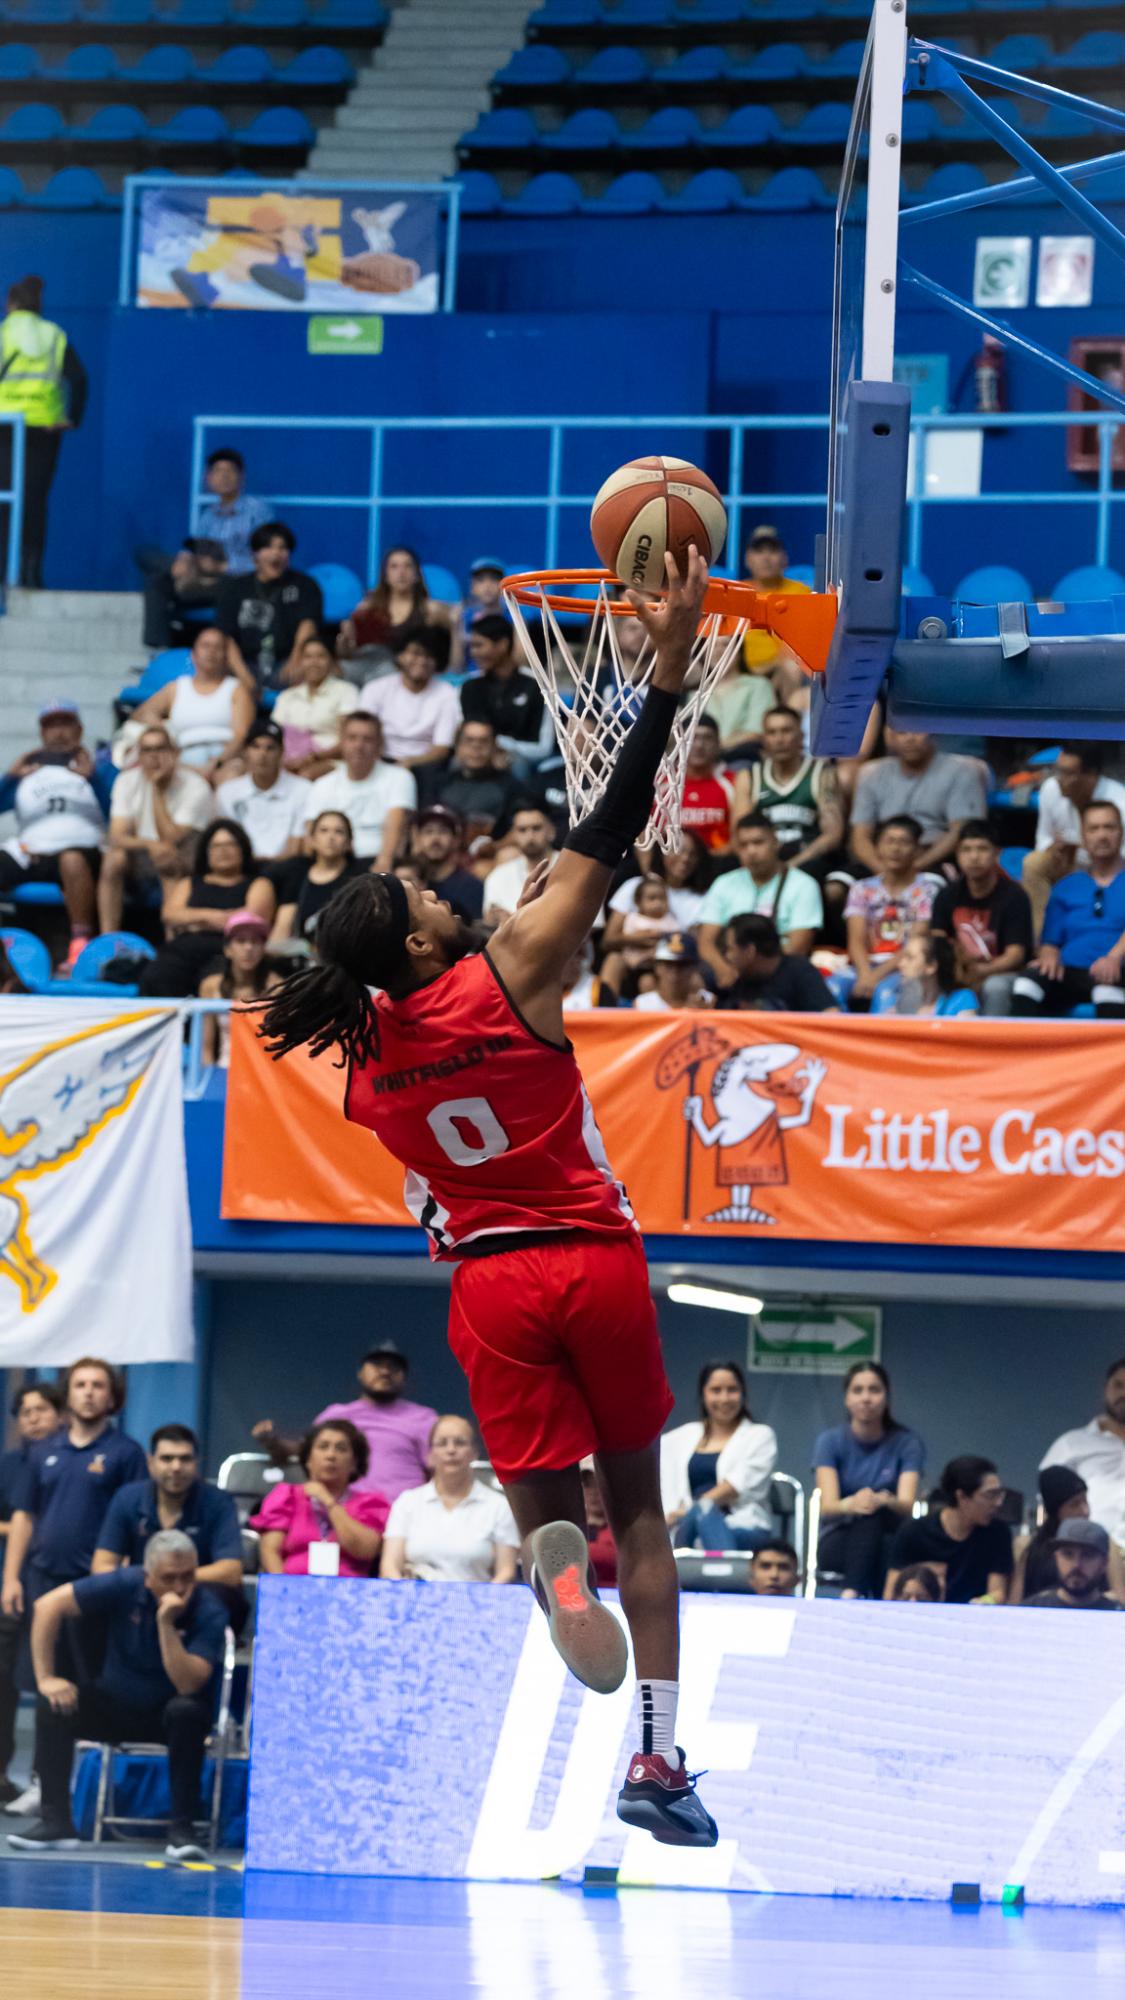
(218, 1743)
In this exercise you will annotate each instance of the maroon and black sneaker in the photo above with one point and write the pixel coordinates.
(663, 1802)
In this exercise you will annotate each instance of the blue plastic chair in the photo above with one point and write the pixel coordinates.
(715, 191)
(750, 125)
(955, 177)
(113, 124)
(319, 64)
(12, 191)
(123, 13)
(170, 64)
(242, 64)
(191, 13)
(701, 65)
(713, 13)
(1101, 48)
(340, 588)
(671, 130)
(28, 957)
(586, 131)
(159, 671)
(18, 62)
(634, 193)
(1021, 53)
(281, 125)
(824, 125)
(480, 194)
(196, 125)
(566, 14)
(89, 966)
(46, 13)
(790, 191)
(788, 10)
(511, 128)
(546, 194)
(37, 895)
(843, 61)
(1087, 585)
(73, 188)
(639, 13)
(995, 583)
(539, 64)
(441, 583)
(775, 63)
(919, 121)
(616, 67)
(92, 63)
(38, 124)
(267, 13)
(351, 14)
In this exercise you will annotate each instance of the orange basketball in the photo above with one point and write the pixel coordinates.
(649, 506)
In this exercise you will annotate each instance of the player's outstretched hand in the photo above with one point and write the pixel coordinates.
(536, 883)
(672, 621)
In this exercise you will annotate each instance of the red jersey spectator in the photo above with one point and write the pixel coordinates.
(708, 790)
(327, 1527)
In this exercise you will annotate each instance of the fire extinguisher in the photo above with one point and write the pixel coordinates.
(990, 376)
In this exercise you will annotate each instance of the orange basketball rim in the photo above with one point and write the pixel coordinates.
(803, 621)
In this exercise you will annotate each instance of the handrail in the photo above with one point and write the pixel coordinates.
(11, 496)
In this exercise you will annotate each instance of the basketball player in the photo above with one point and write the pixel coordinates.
(460, 1064)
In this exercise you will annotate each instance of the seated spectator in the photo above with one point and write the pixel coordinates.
(398, 604)
(687, 873)
(60, 820)
(715, 1471)
(961, 1538)
(454, 1529)
(208, 711)
(1081, 1551)
(988, 917)
(1076, 782)
(642, 928)
(928, 979)
(481, 792)
(766, 557)
(766, 979)
(157, 810)
(420, 715)
(164, 1640)
(798, 794)
(738, 705)
(1096, 1451)
(533, 835)
(244, 978)
(270, 803)
(397, 1430)
(774, 1569)
(230, 515)
(174, 1496)
(269, 612)
(485, 597)
(35, 1411)
(196, 908)
(375, 797)
(582, 987)
(311, 713)
(759, 886)
(708, 794)
(883, 909)
(867, 1474)
(501, 693)
(677, 981)
(917, 1585)
(330, 1526)
(938, 790)
(306, 884)
(178, 593)
(1082, 949)
(436, 846)
(599, 1534)
(1064, 1497)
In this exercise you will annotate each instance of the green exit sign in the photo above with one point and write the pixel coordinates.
(345, 333)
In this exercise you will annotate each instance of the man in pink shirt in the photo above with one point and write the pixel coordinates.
(397, 1431)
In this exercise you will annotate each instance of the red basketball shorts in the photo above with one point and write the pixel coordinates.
(562, 1351)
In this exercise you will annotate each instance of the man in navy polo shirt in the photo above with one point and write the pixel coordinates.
(174, 1496)
(164, 1640)
(35, 1410)
(1082, 953)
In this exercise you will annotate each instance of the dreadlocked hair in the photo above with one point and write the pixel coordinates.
(359, 944)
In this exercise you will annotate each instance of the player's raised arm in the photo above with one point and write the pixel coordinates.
(532, 948)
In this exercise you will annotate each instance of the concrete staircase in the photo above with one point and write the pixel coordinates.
(79, 645)
(423, 87)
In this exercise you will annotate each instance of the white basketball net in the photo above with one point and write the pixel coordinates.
(593, 681)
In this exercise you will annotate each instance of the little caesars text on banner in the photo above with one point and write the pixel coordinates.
(95, 1235)
(764, 1125)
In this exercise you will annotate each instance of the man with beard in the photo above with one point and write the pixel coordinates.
(1096, 1452)
(1082, 1564)
(397, 1430)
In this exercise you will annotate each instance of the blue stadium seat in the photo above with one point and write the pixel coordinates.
(635, 193)
(919, 120)
(163, 668)
(350, 14)
(320, 64)
(566, 14)
(955, 177)
(512, 129)
(585, 131)
(825, 124)
(1100, 49)
(90, 64)
(639, 13)
(1020, 53)
(123, 13)
(112, 124)
(266, 13)
(18, 61)
(787, 10)
(715, 191)
(281, 125)
(672, 129)
(191, 13)
(242, 64)
(12, 193)
(700, 65)
(441, 583)
(750, 125)
(791, 190)
(780, 60)
(843, 61)
(196, 125)
(41, 895)
(712, 13)
(340, 588)
(994, 584)
(171, 64)
(89, 966)
(45, 13)
(615, 66)
(546, 194)
(1051, 122)
(479, 192)
(33, 123)
(1088, 585)
(538, 64)
(28, 957)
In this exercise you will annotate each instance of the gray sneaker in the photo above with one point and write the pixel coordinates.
(583, 1630)
(46, 1837)
(183, 1845)
(28, 1802)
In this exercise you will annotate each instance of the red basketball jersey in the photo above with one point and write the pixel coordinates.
(492, 1123)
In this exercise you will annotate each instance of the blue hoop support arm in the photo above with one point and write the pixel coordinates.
(955, 304)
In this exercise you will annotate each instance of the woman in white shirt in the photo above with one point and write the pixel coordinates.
(715, 1472)
(454, 1529)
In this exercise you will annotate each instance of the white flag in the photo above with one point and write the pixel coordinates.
(95, 1233)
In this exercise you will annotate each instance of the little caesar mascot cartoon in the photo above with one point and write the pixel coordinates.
(749, 1123)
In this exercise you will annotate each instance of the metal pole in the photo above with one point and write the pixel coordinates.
(374, 511)
(917, 499)
(15, 513)
(1106, 431)
(734, 526)
(128, 239)
(197, 429)
(554, 482)
(452, 246)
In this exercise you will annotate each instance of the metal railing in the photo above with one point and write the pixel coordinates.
(11, 495)
(551, 499)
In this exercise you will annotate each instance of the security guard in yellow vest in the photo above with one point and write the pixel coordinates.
(42, 378)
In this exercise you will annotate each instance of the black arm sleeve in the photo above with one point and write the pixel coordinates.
(607, 833)
(77, 383)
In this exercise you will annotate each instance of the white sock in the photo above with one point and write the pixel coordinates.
(656, 1717)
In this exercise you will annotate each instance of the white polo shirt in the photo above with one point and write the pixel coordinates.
(1098, 1457)
(415, 721)
(1059, 818)
(365, 801)
(271, 818)
(452, 1544)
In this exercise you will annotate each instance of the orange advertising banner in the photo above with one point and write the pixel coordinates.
(764, 1126)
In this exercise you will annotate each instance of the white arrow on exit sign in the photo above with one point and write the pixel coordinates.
(835, 1333)
(827, 1338)
(344, 329)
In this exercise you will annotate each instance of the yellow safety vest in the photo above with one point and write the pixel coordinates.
(31, 368)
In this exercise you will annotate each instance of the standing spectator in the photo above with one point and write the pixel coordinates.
(419, 714)
(269, 802)
(1082, 1571)
(270, 612)
(867, 1475)
(244, 977)
(501, 693)
(305, 886)
(708, 794)
(766, 557)
(759, 886)
(988, 917)
(42, 380)
(1076, 782)
(60, 820)
(962, 1537)
(436, 852)
(941, 792)
(208, 711)
(1096, 1451)
(774, 1569)
(678, 983)
(178, 593)
(687, 872)
(768, 979)
(454, 1529)
(486, 598)
(929, 981)
(883, 909)
(398, 604)
(375, 797)
(397, 1431)
(474, 785)
(197, 906)
(157, 808)
(332, 1525)
(230, 515)
(798, 794)
(715, 1472)
(1082, 950)
(311, 713)
(35, 1410)
(164, 1640)
(534, 836)
(174, 1496)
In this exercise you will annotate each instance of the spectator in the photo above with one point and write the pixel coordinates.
(208, 711)
(798, 794)
(941, 792)
(397, 1431)
(330, 1526)
(582, 987)
(269, 802)
(642, 928)
(1082, 1569)
(708, 794)
(164, 1640)
(419, 714)
(774, 1569)
(486, 598)
(867, 1474)
(179, 593)
(398, 604)
(715, 1471)
(473, 785)
(759, 885)
(269, 613)
(687, 873)
(35, 1411)
(454, 1529)
(766, 978)
(533, 835)
(230, 515)
(157, 809)
(678, 983)
(501, 693)
(928, 979)
(375, 797)
(738, 704)
(988, 917)
(1097, 1452)
(312, 712)
(766, 557)
(42, 380)
(917, 1585)
(196, 908)
(962, 1537)
(882, 910)
(436, 852)
(60, 819)
(1064, 1497)
(244, 978)
(599, 1534)
(1082, 948)
(1076, 782)
(174, 1496)
(305, 886)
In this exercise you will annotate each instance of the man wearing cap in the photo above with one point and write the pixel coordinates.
(766, 557)
(59, 803)
(397, 1431)
(675, 965)
(157, 808)
(766, 979)
(1082, 1565)
(501, 693)
(435, 851)
(485, 577)
(271, 803)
